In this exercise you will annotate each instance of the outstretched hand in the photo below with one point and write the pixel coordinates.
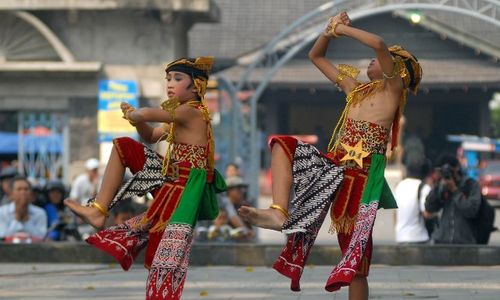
(340, 18)
(124, 106)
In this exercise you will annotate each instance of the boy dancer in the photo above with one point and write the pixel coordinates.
(183, 183)
(350, 177)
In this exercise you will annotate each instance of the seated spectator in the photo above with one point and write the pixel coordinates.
(39, 195)
(6, 176)
(222, 230)
(232, 170)
(237, 191)
(20, 216)
(234, 198)
(60, 219)
(122, 212)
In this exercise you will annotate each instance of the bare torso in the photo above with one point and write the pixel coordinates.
(378, 108)
(193, 131)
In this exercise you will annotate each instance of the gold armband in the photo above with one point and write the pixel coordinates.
(346, 71)
(340, 77)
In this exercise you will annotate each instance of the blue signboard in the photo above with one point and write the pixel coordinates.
(109, 116)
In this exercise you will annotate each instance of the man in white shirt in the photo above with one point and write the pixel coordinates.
(85, 186)
(20, 216)
(410, 224)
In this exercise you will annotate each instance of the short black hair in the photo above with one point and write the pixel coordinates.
(447, 158)
(19, 178)
(123, 207)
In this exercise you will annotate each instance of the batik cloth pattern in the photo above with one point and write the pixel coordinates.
(187, 195)
(315, 180)
(358, 183)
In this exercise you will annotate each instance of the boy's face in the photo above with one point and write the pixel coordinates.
(374, 71)
(180, 85)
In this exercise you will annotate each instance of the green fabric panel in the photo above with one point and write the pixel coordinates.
(209, 207)
(387, 199)
(375, 183)
(187, 210)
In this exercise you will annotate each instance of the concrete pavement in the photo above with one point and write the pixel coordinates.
(86, 281)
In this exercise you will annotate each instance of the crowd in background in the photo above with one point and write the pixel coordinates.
(437, 203)
(30, 212)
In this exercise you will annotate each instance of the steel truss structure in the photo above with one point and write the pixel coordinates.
(287, 43)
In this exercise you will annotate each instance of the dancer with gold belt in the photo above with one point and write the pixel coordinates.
(183, 182)
(349, 178)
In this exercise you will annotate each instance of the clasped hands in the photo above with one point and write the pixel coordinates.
(333, 22)
(127, 109)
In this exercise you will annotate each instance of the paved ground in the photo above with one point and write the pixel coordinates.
(73, 281)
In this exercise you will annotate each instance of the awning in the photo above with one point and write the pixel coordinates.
(9, 143)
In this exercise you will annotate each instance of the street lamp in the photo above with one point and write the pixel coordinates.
(415, 17)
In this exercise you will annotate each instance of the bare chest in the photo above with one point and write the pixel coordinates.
(378, 108)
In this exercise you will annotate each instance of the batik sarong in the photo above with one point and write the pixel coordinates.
(352, 217)
(315, 180)
(166, 229)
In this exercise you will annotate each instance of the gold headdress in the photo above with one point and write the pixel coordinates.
(411, 72)
(199, 69)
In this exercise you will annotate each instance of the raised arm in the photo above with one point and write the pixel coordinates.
(376, 43)
(317, 54)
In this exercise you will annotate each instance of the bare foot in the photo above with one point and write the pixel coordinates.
(88, 214)
(264, 218)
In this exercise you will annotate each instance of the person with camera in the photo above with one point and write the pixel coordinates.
(458, 198)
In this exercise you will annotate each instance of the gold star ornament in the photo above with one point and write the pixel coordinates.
(355, 153)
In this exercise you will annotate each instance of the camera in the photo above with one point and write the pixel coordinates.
(446, 171)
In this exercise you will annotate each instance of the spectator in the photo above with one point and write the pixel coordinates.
(20, 216)
(220, 230)
(122, 212)
(232, 170)
(58, 216)
(410, 196)
(228, 226)
(39, 195)
(237, 191)
(458, 197)
(85, 186)
(234, 198)
(6, 176)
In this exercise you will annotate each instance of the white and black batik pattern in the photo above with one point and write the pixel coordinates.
(315, 180)
(144, 181)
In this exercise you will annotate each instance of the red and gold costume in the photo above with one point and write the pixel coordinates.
(183, 183)
(349, 180)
